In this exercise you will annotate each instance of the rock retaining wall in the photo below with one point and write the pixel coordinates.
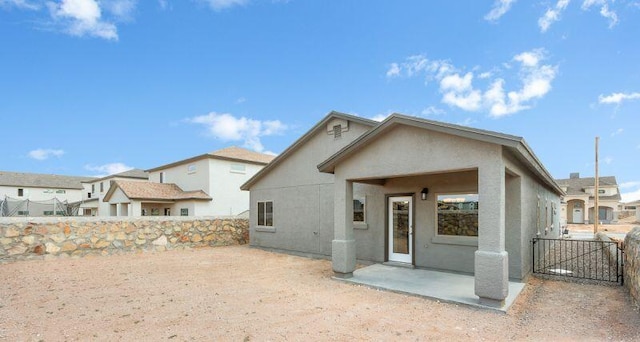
(632, 263)
(32, 238)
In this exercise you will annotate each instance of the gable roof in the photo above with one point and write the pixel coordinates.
(303, 139)
(513, 143)
(154, 191)
(232, 153)
(133, 173)
(37, 180)
(576, 186)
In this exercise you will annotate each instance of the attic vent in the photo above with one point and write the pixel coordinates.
(337, 131)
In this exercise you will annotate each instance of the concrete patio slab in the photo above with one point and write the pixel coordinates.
(447, 287)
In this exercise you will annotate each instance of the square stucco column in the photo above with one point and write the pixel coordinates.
(343, 247)
(491, 259)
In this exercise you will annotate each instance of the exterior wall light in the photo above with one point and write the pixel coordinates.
(423, 194)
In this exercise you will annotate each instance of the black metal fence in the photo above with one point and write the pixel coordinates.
(583, 259)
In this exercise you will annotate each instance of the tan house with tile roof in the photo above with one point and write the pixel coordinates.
(579, 201)
(218, 174)
(128, 198)
(92, 203)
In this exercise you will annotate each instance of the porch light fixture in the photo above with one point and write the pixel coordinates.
(423, 194)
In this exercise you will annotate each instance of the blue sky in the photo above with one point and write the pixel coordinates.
(92, 87)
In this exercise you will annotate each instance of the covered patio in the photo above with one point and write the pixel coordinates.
(443, 286)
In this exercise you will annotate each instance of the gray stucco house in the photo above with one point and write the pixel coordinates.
(410, 192)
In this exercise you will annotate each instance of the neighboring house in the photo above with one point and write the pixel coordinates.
(129, 198)
(408, 191)
(92, 203)
(32, 194)
(218, 174)
(579, 201)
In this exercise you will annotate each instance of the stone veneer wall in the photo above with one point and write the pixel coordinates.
(632, 263)
(32, 238)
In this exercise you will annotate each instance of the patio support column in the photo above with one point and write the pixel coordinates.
(491, 259)
(343, 247)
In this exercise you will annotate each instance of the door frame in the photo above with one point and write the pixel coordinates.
(387, 197)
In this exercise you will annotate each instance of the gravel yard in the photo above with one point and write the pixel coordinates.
(239, 293)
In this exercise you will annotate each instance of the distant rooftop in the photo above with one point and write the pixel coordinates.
(36, 180)
(576, 185)
(155, 191)
(232, 153)
(133, 173)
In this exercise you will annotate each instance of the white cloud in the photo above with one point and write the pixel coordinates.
(617, 132)
(43, 154)
(607, 160)
(82, 17)
(611, 15)
(380, 117)
(431, 110)
(458, 90)
(394, 70)
(20, 4)
(121, 9)
(617, 98)
(500, 7)
(552, 15)
(586, 4)
(219, 5)
(466, 122)
(241, 100)
(627, 185)
(227, 127)
(108, 169)
(630, 196)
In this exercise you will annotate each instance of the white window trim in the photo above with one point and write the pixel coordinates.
(268, 229)
(243, 171)
(452, 239)
(191, 170)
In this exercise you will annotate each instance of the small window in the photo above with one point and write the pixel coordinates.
(458, 215)
(184, 212)
(93, 188)
(101, 186)
(20, 193)
(144, 212)
(601, 191)
(265, 214)
(238, 168)
(359, 210)
(60, 213)
(337, 131)
(167, 211)
(48, 212)
(161, 177)
(88, 195)
(23, 212)
(155, 212)
(60, 191)
(191, 168)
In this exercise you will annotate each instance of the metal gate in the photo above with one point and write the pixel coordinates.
(584, 259)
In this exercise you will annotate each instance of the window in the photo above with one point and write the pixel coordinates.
(20, 193)
(48, 213)
(23, 212)
(88, 195)
(144, 212)
(265, 214)
(238, 168)
(458, 214)
(60, 191)
(184, 212)
(101, 186)
(93, 188)
(155, 212)
(337, 131)
(161, 177)
(359, 210)
(191, 168)
(60, 213)
(167, 211)
(601, 191)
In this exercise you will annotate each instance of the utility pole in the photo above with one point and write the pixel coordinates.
(596, 209)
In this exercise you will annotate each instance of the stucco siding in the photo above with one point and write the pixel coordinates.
(224, 186)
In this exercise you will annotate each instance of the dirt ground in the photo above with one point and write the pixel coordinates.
(244, 294)
(613, 228)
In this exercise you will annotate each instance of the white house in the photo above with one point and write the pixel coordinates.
(94, 190)
(32, 194)
(579, 201)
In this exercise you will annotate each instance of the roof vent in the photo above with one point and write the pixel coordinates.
(574, 175)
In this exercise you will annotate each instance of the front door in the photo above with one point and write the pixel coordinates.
(401, 229)
(577, 215)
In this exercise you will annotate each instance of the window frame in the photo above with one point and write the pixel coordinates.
(184, 211)
(360, 224)
(20, 192)
(265, 226)
(161, 176)
(462, 240)
(192, 168)
(233, 168)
